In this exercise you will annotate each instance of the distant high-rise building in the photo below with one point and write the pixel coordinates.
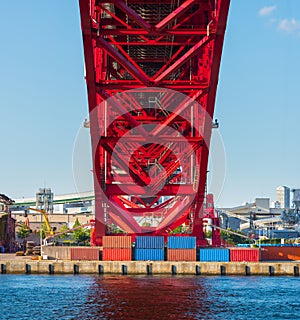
(283, 196)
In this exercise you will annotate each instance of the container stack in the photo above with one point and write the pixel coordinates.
(214, 255)
(181, 248)
(116, 248)
(85, 253)
(244, 255)
(275, 253)
(149, 248)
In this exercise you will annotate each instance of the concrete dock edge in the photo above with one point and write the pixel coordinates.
(156, 267)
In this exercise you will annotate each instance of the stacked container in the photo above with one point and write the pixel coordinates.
(244, 254)
(269, 253)
(149, 248)
(85, 253)
(116, 248)
(214, 255)
(181, 248)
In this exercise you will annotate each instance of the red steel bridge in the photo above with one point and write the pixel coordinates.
(152, 71)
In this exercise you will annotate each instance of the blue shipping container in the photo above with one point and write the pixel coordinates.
(181, 242)
(149, 254)
(214, 255)
(149, 242)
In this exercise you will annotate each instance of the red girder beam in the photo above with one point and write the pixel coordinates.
(131, 13)
(132, 189)
(183, 59)
(137, 72)
(174, 15)
(164, 33)
(128, 85)
(223, 8)
(162, 139)
(123, 111)
(182, 106)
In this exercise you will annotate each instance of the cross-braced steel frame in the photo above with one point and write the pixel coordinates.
(141, 59)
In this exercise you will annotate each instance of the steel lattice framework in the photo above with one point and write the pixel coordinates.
(139, 56)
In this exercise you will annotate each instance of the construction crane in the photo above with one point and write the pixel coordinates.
(91, 224)
(45, 216)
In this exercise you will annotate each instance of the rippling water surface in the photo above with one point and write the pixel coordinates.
(148, 297)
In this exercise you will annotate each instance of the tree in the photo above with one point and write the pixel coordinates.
(80, 234)
(23, 231)
(233, 238)
(63, 229)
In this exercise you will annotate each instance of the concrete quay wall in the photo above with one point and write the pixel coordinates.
(156, 267)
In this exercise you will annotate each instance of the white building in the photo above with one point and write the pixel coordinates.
(283, 196)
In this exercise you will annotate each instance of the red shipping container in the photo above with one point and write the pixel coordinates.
(243, 254)
(280, 253)
(181, 254)
(116, 242)
(116, 254)
(84, 253)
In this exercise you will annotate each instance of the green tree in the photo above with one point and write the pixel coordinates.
(177, 230)
(23, 231)
(45, 230)
(80, 235)
(234, 238)
(208, 234)
(63, 229)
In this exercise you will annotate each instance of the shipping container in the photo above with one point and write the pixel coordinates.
(181, 254)
(182, 242)
(85, 253)
(214, 255)
(116, 242)
(149, 254)
(117, 254)
(149, 242)
(244, 254)
(280, 253)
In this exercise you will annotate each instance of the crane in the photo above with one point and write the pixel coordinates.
(45, 216)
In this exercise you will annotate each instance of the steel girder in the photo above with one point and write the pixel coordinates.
(167, 54)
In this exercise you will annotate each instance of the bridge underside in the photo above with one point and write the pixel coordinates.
(152, 72)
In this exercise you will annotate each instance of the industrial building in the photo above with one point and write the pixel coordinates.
(283, 197)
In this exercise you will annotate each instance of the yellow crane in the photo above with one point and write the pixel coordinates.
(49, 229)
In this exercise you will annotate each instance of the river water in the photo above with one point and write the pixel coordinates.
(148, 297)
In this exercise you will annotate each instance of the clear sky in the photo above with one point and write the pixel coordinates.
(43, 97)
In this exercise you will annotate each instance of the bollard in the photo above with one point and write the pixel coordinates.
(271, 271)
(223, 271)
(247, 271)
(100, 269)
(3, 268)
(296, 271)
(149, 269)
(124, 270)
(198, 271)
(76, 269)
(28, 269)
(174, 270)
(51, 269)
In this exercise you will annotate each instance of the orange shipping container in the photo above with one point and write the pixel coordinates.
(116, 242)
(242, 254)
(116, 254)
(181, 254)
(85, 253)
(280, 253)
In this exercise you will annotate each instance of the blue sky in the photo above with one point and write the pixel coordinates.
(43, 97)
